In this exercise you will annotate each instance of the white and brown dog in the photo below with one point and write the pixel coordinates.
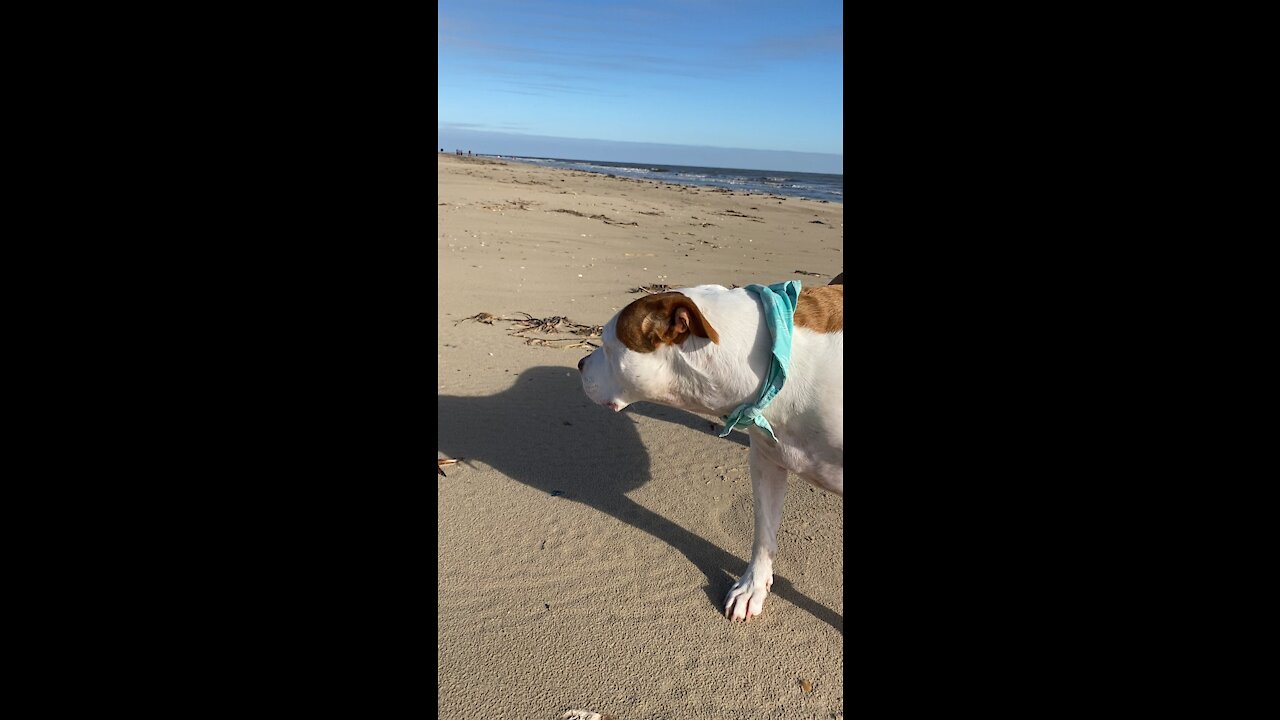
(707, 349)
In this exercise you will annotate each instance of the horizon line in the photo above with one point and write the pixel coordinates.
(558, 147)
(471, 128)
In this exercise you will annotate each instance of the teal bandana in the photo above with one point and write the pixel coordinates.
(779, 301)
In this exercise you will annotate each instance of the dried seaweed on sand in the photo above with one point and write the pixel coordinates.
(555, 324)
(484, 317)
(651, 289)
(548, 325)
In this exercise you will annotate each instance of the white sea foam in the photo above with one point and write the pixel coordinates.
(817, 186)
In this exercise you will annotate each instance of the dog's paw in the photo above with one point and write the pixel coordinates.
(746, 597)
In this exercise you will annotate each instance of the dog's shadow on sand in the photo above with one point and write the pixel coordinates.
(544, 432)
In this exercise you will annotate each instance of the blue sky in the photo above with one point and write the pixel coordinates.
(762, 76)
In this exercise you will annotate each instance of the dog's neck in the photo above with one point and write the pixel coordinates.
(716, 378)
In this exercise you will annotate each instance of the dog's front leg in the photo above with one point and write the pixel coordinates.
(768, 490)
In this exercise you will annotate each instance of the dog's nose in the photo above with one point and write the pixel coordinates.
(583, 360)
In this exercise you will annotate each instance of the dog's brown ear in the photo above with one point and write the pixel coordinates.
(662, 319)
(839, 280)
(688, 318)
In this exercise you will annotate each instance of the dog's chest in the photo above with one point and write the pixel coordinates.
(816, 455)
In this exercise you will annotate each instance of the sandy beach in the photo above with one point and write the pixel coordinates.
(583, 555)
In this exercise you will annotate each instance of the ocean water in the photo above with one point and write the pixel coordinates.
(815, 186)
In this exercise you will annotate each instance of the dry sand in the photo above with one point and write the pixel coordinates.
(583, 555)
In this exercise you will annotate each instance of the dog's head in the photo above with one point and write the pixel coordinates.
(640, 357)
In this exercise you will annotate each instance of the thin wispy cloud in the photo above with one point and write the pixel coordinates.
(571, 89)
(479, 126)
(595, 60)
(822, 42)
